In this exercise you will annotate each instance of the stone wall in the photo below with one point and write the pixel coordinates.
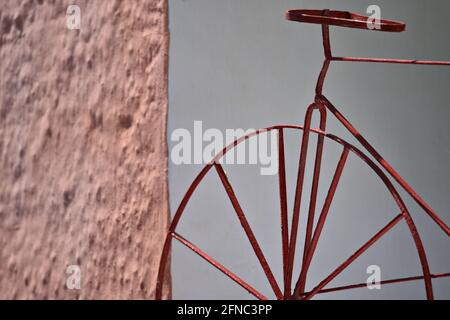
(83, 153)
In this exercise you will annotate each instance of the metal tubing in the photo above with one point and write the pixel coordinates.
(219, 266)
(300, 287)
(283, 209)
(399, 61)
(165, 254)
(315, 184)
(300, 181)
(389, 281)
(385, 165)
(248, 231)
(354, 256)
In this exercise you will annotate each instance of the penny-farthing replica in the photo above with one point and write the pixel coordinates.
(293, 286)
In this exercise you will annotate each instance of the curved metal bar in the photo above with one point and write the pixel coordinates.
(325, 18)
(162, 266)
(341, 19)
(314, 187)
(353, 149)
(409, 221)
(299, 186)
(182, 206)
(321, 98)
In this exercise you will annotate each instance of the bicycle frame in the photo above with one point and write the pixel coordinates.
(325, 18)
(321, 99)
(323, 104)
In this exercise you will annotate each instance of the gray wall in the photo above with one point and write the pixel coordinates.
(239, 64)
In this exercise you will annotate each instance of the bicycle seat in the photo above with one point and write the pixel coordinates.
(341, 19)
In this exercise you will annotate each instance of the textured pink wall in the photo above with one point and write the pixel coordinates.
(83, 154)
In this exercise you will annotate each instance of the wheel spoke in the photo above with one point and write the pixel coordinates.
(283, 208)
(313, 198)
(389, 281)
(248, 231)
(354, 256)
(300, 287)
(297, 203)
(219, 266)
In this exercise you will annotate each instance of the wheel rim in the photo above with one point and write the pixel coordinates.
(314, 235)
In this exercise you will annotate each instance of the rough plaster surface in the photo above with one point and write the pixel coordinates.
(83, 159)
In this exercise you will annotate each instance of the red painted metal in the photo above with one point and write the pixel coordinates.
(283, 211)
(248, 231)
(299, 187)
(320, 98)
(315, 185)
(312, 235)
(341, 19)
(389, 281)
(384, 179)
(316, 176)
(300, 287)
(385, 164)
(400, 61)
(354, 256)
(217, 265)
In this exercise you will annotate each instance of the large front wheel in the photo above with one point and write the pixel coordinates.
(294, 286)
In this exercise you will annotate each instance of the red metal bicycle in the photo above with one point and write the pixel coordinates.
(325, 18)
